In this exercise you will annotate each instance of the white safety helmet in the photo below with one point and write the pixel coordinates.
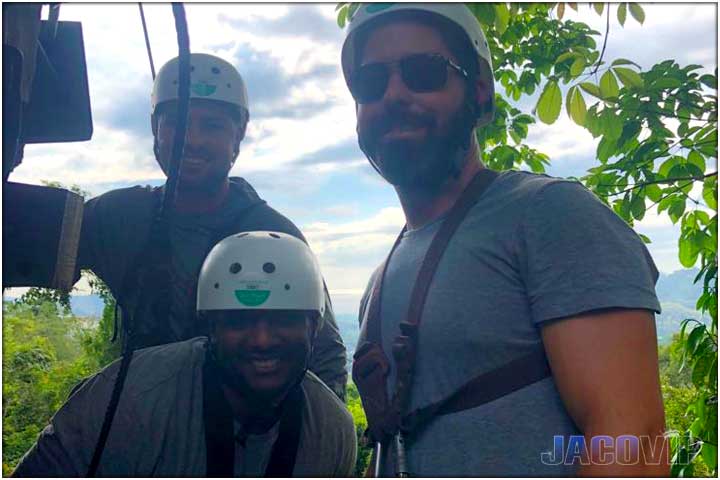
(457, 13)
(211, 78)
(261, 271)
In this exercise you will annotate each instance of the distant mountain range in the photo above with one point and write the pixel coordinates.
(676, 291)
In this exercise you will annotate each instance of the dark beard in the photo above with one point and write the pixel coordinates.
(208, 186)
(426, 165)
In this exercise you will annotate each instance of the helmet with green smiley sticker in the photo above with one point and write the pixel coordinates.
(211, 78)
(261, 271)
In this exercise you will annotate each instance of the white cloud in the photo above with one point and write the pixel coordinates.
(344, 210)
(562, 139)
(349, 252)
(114, 157)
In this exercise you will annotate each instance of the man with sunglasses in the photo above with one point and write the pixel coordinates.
(514, 313)
(121, 242)
(239, 403)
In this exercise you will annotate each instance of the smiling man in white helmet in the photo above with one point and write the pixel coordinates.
(119, 245)
(514, 314)
(240, 403)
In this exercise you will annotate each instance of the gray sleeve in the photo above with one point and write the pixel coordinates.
(65, 447)
(329, 358)
(366, 294)
(578, 255)
(346, 464)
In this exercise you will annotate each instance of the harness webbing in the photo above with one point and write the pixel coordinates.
(406, 344)
(482, 389)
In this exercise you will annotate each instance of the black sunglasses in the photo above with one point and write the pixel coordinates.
(421, 73)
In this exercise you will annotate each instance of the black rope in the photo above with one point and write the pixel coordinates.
(112, 406)
(165, 209)
(183, 107)
(147, 40)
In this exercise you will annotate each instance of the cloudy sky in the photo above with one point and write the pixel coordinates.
(300, 152)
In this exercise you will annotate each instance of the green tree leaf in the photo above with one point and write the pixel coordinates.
(637, 206)
(485, 13)
(599, 7)
(578, 109)
(697, 159)
(342, 17)
(502, 17)
(709, 81)
(669, 164)
(637, 12)
(608, 85)
(578, 66)
(646, 240)
(549, 103)
(606, 148)
(710, 193)
(688, 253)
(653, 192)
(565, 56)
(629, 78)
(623, 61)
(592, 89)
(676, 210)
(622, 13)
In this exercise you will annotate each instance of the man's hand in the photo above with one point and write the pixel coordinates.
(605, 366)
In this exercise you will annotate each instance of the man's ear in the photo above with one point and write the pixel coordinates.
(482, 92)
(239, 137)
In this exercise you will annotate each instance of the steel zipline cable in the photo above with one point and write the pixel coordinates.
(147, 40)
(162, 223)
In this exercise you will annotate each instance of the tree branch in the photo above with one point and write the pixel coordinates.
(666, 196)
(607, 32)
(654, 182)
(688, 197)
(667, 150)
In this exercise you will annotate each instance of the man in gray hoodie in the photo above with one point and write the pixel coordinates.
(239, 403)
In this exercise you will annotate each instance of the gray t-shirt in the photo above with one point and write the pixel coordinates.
(159, 428)
(533, 249)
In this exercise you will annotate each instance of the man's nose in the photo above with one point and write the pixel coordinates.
(396, 90)
(193, 136)
(262, 334)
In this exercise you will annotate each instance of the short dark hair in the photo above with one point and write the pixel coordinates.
(454, 37)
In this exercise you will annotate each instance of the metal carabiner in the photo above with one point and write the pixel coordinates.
(378, 460)
(401, 465)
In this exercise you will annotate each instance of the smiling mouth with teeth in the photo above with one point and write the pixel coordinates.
(265, 365)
